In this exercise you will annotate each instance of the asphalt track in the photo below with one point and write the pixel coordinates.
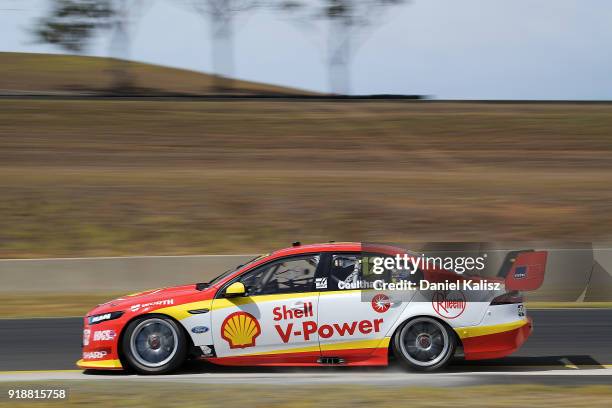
(569, 346)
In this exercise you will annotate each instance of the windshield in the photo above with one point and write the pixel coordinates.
(232, 270)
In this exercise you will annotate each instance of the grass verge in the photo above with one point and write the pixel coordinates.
(128, 394)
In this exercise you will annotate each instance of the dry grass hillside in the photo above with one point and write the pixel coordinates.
(57, 74)
(88, 177)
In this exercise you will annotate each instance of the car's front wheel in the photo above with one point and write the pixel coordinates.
(154, 344)
(424, 344)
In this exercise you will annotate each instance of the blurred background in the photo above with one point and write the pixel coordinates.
(186, 127)
(145, 143)
(469, 49)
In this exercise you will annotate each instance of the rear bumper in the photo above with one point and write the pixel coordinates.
(488, 342)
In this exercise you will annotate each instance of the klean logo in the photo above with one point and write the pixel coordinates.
(310, 327)
(240, 329)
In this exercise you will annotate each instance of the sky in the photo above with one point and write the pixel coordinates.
(449, 49)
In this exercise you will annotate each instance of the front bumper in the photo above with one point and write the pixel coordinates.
(100, 346)
(100, 365)
(496, 341)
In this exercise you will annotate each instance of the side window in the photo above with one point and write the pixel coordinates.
(345, 272)
(393, 274)
(355, 271)
(289, 275)
(252, 279)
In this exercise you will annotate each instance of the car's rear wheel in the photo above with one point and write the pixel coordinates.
(154, 345)
(424, 344)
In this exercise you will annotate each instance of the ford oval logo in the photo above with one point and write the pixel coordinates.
(199, 329)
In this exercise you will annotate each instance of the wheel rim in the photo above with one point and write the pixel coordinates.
(424, 342)
(154, 342)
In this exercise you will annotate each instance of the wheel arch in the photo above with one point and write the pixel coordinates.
(121, 352)
(402, 323)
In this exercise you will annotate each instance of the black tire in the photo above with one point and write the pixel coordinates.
(154, 344)
(424, 344)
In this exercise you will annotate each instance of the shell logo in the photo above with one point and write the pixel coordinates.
(240, 329)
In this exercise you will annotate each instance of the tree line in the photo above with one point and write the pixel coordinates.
(340, 25)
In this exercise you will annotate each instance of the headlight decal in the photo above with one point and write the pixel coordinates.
(95, 319)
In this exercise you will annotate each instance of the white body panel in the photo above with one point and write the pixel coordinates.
(281, 323)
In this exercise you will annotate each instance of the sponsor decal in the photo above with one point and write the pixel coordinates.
(240, 329)
(321, 283)
(104, 335)
(207, 351)
(306, 328)
(325, 331)
(99, 318)
(94, 355)
(521, 310)
(355, 284)
(199, 329)
(381, 303)
(449, 305)
(146, 306)
(104, 317)
(520, 272)
(285, 313)
(86, 334)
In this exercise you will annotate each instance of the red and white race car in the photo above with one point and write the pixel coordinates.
(304, 306)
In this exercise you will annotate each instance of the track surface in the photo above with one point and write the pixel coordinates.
(394, 377)
(568, 346)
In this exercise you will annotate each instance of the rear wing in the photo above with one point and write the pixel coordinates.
(524, 270)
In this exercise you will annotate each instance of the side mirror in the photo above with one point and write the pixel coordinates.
(234, 290)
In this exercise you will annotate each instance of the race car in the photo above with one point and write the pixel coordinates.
(311, 305)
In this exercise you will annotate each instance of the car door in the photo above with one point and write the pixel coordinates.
(275, 322)
(354, 319)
